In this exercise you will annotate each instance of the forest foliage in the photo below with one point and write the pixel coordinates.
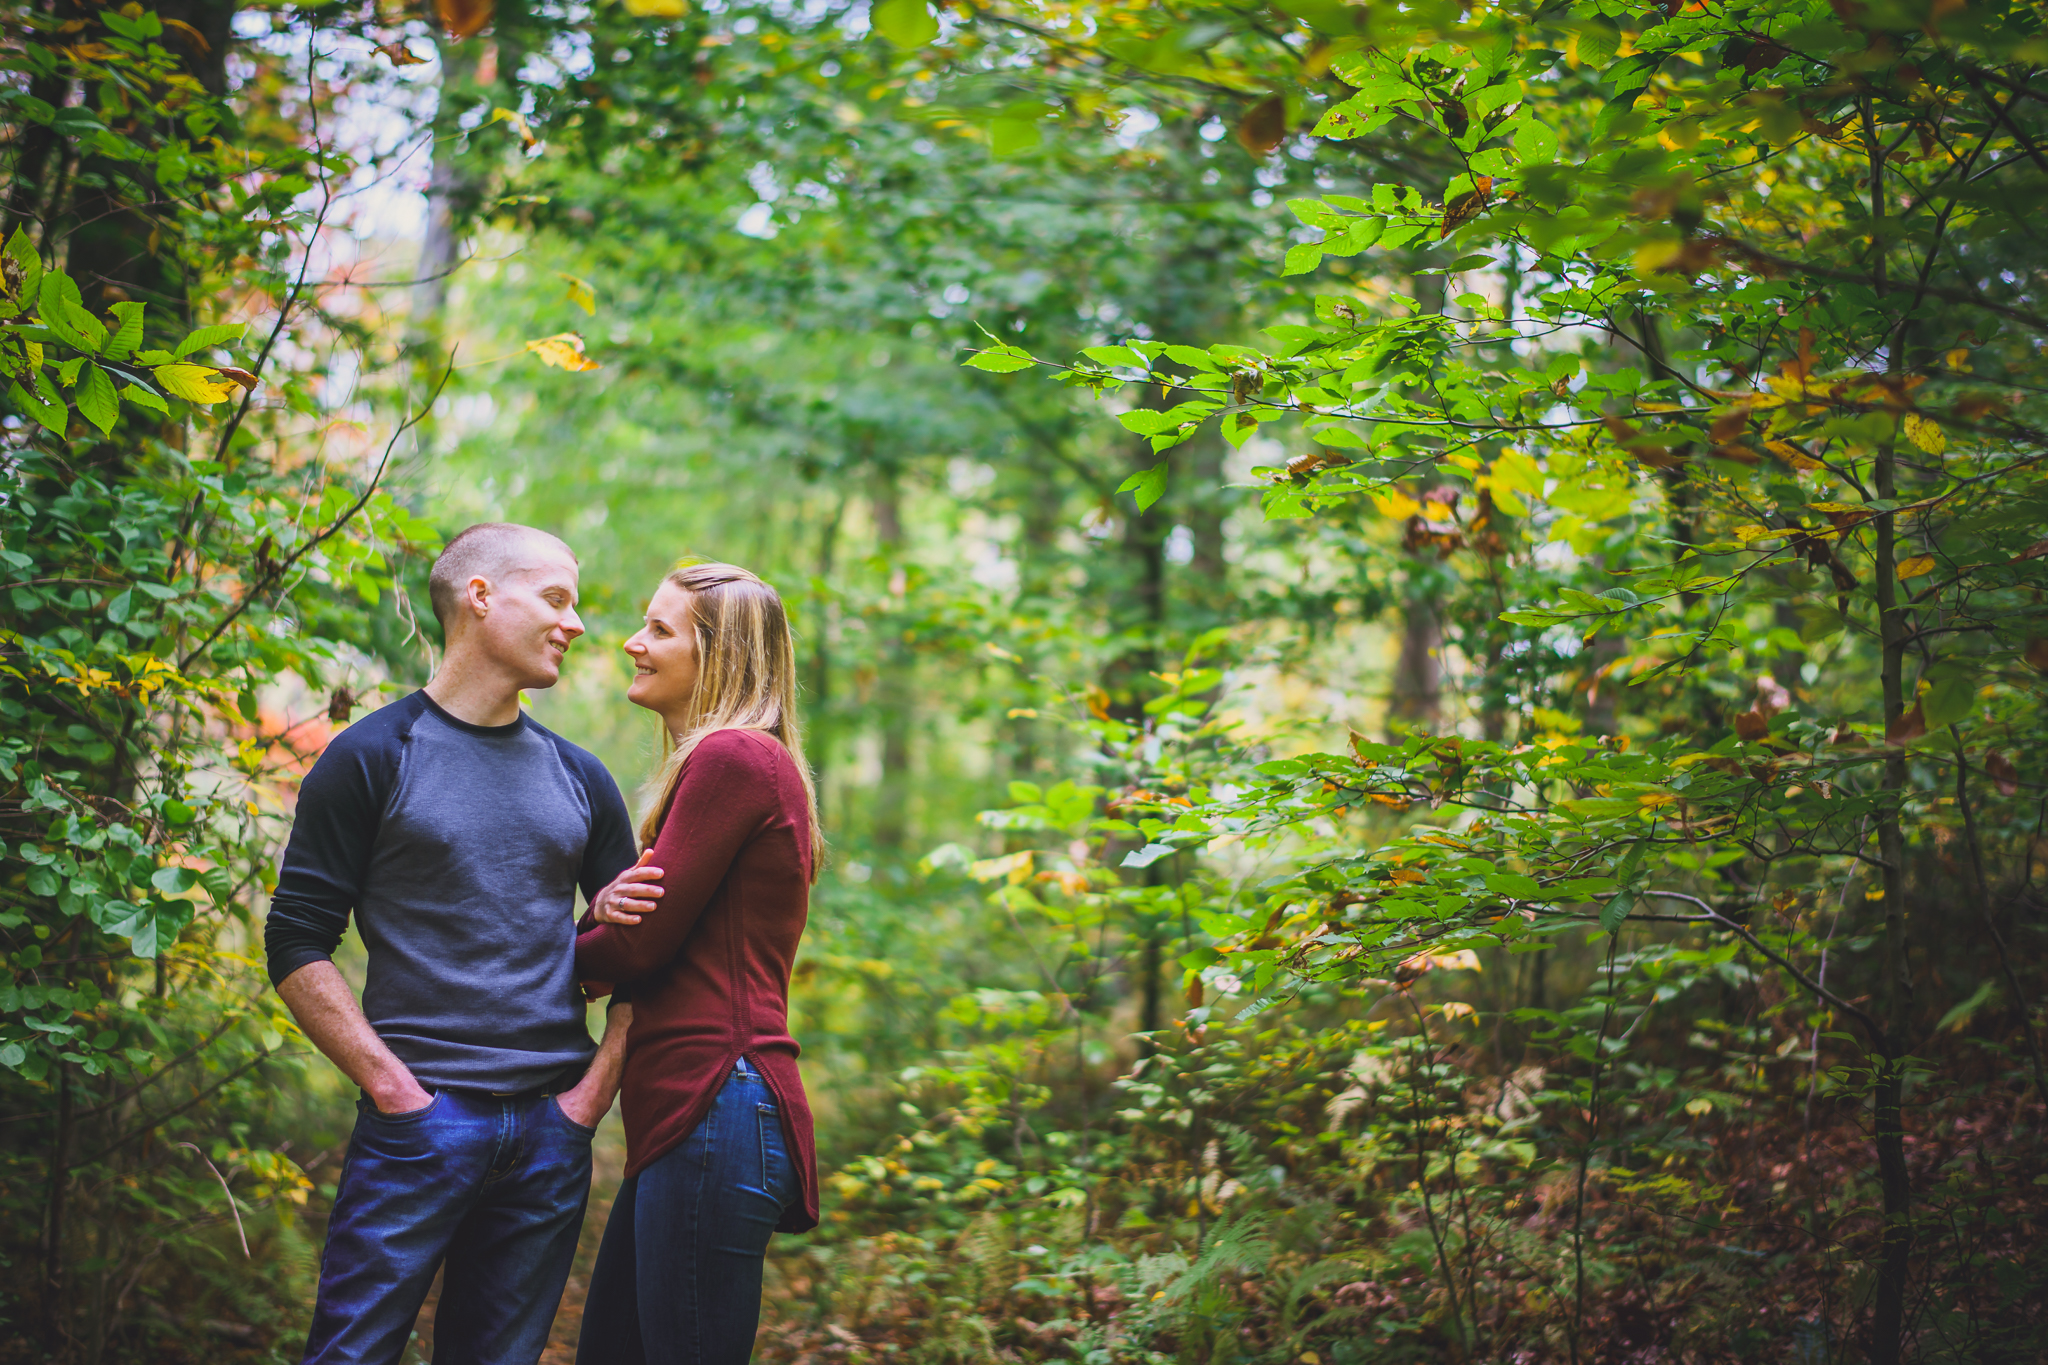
(1422, 624)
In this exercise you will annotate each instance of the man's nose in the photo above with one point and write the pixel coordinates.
(572, 624)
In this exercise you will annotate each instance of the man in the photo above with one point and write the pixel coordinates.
(458, 831)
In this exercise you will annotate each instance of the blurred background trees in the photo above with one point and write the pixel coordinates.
(1422, 633)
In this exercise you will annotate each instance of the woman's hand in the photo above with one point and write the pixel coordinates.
(631, 894)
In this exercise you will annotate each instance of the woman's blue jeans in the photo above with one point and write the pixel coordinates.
(678, 1277)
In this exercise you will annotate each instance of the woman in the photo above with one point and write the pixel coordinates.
(701, 936)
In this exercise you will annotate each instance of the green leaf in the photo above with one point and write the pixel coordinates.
(22, 252)
(1952, 696)
(127, 331)
(97, 401)
(906, 23)
(63, 312)
(52, 416)
(144, 397)
(1147, 486)
(1013, 136)
(1625, 900)
(1116, 355)
(1535, 143)
(1302, 259)
(1961, 1012)
(1149, 854)
(178, 813)
(1149, 421)
(120, 605)
(1513, 884)
(211, 336)
(1000, 359)
(174, 881)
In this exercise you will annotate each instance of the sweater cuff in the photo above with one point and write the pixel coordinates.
(285, 959)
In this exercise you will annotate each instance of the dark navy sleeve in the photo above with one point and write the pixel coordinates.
(612, 848)
(341, 806)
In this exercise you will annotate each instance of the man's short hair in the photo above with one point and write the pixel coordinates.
(489, 549)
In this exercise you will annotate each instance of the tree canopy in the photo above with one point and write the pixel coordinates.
(1422, 627)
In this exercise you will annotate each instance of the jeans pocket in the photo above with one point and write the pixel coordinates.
(555, 1103)
(369, 1107)
(778, 1177)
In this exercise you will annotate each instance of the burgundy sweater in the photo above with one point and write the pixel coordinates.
(708, 966)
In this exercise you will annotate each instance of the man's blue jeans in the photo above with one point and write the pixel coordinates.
(495, 1187)
(678, 1277)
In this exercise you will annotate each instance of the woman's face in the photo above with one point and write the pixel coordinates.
(664, 653)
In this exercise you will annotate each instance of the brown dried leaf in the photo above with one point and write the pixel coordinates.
(2001, 771)
(465, 18)
(1904, 729)
(1467, 206)
(1264, 126)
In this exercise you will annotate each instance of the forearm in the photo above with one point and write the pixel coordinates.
(608, 1067)
(590, 1099)
(328, 1014)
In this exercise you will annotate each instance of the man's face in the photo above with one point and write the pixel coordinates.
(530, 616)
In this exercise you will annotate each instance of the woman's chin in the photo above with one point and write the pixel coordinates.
(637, 693)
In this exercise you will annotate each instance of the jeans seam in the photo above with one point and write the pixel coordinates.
(710, 1131)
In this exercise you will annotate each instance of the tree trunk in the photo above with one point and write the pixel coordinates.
(1416, 700)
(452, 189)
(1888, 1320)
(894, 699)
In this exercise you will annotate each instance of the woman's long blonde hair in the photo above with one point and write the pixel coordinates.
(746, 680)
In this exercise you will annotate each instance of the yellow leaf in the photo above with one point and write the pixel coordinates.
(563, 350)
(1457, 1009)
(1746, 534)
(1014, 868)
(1394, 503)
(1914, 567)
(1959, 360)
(657, 9)
(581, 293)
(194, 383)
(1925, 434)
(518, 122)
(1798, 458)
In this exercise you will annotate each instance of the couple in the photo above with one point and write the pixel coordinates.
(458, 832)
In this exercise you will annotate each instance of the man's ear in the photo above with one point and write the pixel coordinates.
(476, 596)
